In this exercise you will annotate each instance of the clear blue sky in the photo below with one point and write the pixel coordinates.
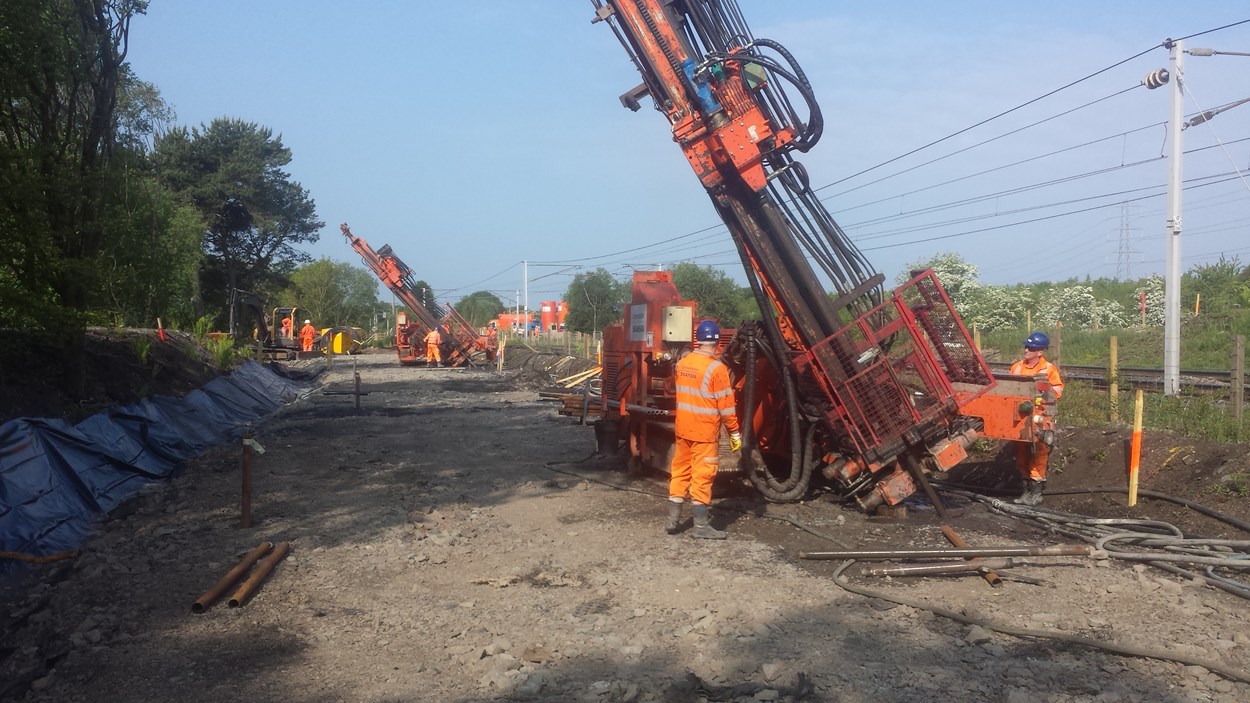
(473, 136)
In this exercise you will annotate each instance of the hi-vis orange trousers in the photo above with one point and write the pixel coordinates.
(693, 468)
(1031, 460)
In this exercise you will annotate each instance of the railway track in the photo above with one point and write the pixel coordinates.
(1146, 379)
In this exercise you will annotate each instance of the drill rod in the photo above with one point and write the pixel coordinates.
(1056, 550)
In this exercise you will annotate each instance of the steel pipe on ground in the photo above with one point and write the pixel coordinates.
(1056, 550)
(203, 602)
(253, 582)
(942, 567)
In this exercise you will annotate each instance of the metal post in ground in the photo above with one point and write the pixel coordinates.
(1113, 379)
(1238, 380)
(246, 509)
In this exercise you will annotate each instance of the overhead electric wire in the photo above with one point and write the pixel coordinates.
(1012, 191)
(1194, 98)
(484, 280)
(991, 170)
(978, 144)
(991, 119)
(1025, 222)
(1031, 208)
(1208, 31)
(1022, 105)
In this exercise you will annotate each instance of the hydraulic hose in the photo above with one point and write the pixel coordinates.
(748, 397)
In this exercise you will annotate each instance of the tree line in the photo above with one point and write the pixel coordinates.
(1214, 291)
(111, 214)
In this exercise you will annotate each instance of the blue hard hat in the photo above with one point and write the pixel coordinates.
(1037, 341)
(708, 331)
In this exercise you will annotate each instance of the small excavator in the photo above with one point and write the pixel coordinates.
(461, 343)
(840, 381)
(249, 324)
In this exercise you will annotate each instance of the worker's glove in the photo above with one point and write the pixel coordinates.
(735, 441)
(1048, 437)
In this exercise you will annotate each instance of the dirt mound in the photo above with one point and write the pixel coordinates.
(121, 366)
(1089, 475)
(539, 371)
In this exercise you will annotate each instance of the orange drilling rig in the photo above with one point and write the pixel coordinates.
(841, 380)
(461, 343)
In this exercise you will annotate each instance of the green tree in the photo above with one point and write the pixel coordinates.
(595, 299)
(480, 307)
(995, 307)
(150, 262)
(1153, 288)
(334, 294)
(1222, 285)
(958, 277)
(232, 171)
(1078, 309)
(717, 295)
(61, 62)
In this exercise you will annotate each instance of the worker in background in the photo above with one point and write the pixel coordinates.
(433, 356)
(308, 333)
(705, 401)
(287, 326)
(1032, 458)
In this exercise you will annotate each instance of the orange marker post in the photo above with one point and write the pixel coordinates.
(1134, 458)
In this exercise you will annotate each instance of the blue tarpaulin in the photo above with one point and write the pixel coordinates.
(56, 478)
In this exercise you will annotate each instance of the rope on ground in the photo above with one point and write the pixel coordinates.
(32, 559)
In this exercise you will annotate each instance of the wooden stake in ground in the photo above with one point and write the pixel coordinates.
(1134, 458)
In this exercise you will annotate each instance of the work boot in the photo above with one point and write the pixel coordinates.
(1035, 498)
(674, 517)
(1026, 492)
(702, 529)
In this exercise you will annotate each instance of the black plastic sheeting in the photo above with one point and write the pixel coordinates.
(57, 478)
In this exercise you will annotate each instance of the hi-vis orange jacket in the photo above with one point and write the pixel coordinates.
(434, 338)
(1042, 366)
(704, 398)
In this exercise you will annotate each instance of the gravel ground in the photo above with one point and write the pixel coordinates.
(456, 541)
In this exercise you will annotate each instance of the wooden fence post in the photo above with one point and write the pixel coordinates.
(1113, 379)
(1134, 458)
(1238, 380)
(976, 336)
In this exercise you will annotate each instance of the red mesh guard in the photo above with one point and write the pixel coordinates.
(891, 370)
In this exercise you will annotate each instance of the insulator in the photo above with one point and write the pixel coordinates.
(1157, 78)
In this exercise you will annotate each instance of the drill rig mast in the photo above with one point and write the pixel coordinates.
(461, 343)
(863, 386)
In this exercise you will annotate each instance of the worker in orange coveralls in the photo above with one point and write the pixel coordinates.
(433, 357)
(308, 333)
(1032, 458)
(705, 401)
(286, 326)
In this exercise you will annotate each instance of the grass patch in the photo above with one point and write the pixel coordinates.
(1198, 416)
(1233, 485)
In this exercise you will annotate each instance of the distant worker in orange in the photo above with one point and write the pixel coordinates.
(705, 401)
(308, 333)
(287, 325)
(433, 357)
(1033, 458)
